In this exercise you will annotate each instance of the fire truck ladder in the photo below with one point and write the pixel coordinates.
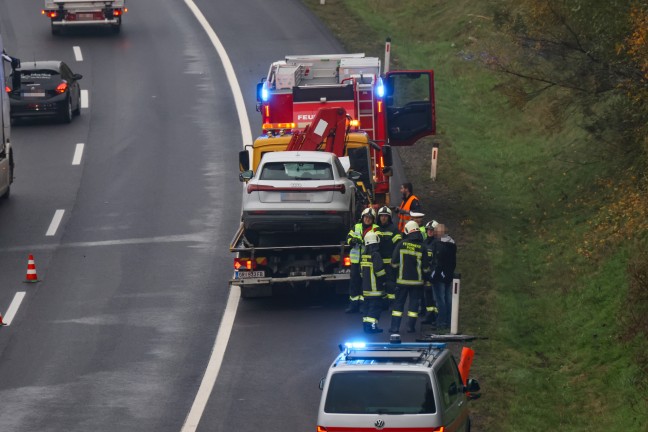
(365, 105)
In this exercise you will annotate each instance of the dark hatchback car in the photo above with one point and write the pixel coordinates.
(44, 88)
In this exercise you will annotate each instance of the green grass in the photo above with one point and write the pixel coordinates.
(510, 186)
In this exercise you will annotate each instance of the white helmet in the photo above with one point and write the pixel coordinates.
(410, 227)
(384, 210)
(370, 238)
(369, 211)
(431, 225)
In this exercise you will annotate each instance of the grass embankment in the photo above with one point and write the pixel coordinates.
(544, 274)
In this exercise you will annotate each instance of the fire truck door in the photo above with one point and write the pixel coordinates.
(409, 106)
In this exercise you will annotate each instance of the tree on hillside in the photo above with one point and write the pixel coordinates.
(592, 54)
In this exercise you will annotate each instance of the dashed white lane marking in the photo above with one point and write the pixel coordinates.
(56, 221)
(78, 152)
(84, 99)
(225, 328)
(13, 308)
(77, 53)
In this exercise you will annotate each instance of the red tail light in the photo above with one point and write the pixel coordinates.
(8, 89)
(61, 88)
(50, 14)
(347, 261)
(244, 264)
(117, 12)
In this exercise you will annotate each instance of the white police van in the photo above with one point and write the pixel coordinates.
(394, 386)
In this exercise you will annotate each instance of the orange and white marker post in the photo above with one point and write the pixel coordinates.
(31, 277)
(454, 318)
(433, 164)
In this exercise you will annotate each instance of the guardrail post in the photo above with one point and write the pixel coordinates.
(435, 156)
(322, 2)
(454, 319)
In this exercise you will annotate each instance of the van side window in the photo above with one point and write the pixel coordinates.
(449, 382)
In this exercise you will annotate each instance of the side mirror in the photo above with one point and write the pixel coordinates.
(77, 77)
(472, 389)
(354, 175)
(244, 160)
(321, 384)
(388, 158)
(246, 176)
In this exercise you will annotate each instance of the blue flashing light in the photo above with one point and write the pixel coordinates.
(355, 345)
(265, 95)
(380, 88)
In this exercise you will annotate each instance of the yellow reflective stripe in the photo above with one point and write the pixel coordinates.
(354, 298)
(412, 314)
(369, 320)
(408, 282)
(432, 309)
(372, 293)
(397, 313)
(391, 296)
(381, 273)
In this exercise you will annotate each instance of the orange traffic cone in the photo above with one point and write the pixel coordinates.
(31, 271)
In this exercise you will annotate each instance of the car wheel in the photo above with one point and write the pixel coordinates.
(66, 115)
(77, 110)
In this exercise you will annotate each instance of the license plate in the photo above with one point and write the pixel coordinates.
(250, 274)
(85, 16)
(295, 196)
(34, 94)
(344, 270)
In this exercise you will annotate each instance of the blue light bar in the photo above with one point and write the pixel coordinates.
(386, 346)
(265, 95)
(380, 88)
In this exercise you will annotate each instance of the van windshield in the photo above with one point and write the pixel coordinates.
(380, 392)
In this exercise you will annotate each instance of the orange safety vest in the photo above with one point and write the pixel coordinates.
(404, 218)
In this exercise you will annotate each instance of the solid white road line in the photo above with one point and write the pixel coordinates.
(78, 152)
(84, 99)
(56, 221)
(225, 328)
(215, 361)
(77, 53)
(13, 307)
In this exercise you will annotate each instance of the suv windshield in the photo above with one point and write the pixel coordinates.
(296, 171)
(380, 392)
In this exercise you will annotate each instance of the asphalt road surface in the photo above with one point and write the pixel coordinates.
(131, 242)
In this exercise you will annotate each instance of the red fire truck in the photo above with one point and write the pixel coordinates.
(395, 108)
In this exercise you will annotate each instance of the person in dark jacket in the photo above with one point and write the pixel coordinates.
(389, 237)
(411, 259)
(373, 282)
(444, 252)
(431, 311)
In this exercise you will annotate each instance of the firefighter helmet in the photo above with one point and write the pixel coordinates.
(431, 225)
(410, 227)
(384, 210)
(369, 212)
(370, 238)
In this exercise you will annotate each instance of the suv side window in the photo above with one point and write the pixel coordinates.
(449, 382)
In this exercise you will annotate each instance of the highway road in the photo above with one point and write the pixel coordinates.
(133, 278)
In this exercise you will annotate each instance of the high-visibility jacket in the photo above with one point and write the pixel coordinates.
(373, 273)
(412, 260)
(405, 206)
(357, 232)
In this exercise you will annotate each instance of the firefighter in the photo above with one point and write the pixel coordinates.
(389, 237)
(355, 238)
(412, 261)
(409, 204)
(374, 278)
(431, 311)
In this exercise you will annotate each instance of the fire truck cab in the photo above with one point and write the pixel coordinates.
(395, 108)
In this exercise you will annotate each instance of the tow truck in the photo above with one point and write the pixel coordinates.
(393, 108)
(68, 13)
(6, 153)
(294, 256)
